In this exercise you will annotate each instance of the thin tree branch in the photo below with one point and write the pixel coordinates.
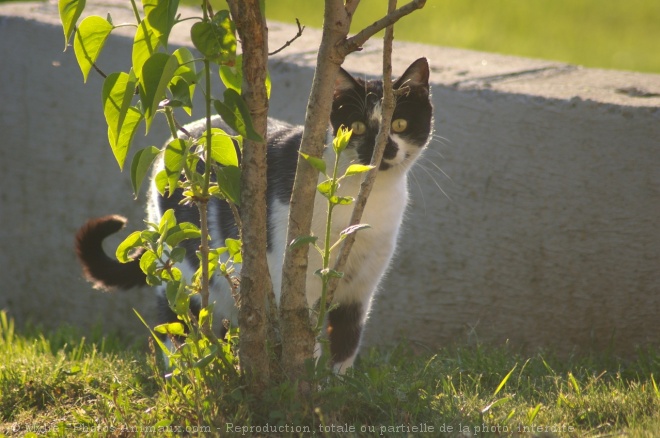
(351, 6)
(182, 129)
(355, 42)
(99, 71)
(288, 43)
(387, 110)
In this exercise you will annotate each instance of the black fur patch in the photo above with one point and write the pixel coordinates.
(344, 329)
(105, 272)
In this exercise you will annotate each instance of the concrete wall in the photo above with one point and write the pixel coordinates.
(534, 214)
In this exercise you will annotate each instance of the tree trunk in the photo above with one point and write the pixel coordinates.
(256, 285)
(297, 334)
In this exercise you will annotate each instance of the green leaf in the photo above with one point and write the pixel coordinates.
(174, 159)
(186, 67)
(157, 73)
(133, 241)
(171, 292)
(181, 302)
(167, 221)
(232, 76)
(178, 254)
(355, 169)
(341, 140)
(149, 262)
(145, 44)
(161, 18)
(269, 84)
(341, 200)
(229, 181)
(316, 162)
(161, 182)
(180, 94)
(150, 236)
(206, 314)
(223, 150)
(302, 240)
(89, 41)
(180, 232)
(128, 129)
(176, 274)
(185, 74)
(140, 166)
(204, 361)
(148, 5)
(70, 11)
(172, 328)
(122, 119)
(235, 113)
(216, 40)
(214, 260)
(234, 247)
(326, 188)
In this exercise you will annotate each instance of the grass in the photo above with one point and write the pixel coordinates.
(64, 385)
(617, 34)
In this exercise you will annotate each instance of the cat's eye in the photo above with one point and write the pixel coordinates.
(358, 128)
(399, 125)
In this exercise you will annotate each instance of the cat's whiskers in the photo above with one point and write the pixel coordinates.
(432, 175)
(438, 168)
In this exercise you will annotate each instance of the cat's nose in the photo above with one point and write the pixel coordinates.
(391, 150)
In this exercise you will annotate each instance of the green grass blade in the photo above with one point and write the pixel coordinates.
(504, 380)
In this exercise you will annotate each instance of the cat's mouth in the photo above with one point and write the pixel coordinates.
(396, 154)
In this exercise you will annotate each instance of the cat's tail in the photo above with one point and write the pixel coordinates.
(99, 269)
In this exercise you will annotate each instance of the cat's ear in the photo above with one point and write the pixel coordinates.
(417, 75)
(345, 81)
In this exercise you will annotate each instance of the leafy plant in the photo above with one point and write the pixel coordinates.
(157, 83)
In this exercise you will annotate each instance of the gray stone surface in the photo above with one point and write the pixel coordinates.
(534, 213)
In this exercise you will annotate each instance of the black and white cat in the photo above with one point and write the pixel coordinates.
(356, 105)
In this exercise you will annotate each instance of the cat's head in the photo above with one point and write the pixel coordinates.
(357, 104)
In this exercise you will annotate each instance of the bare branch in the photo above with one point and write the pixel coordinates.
(288, 43)
(182, 129)
(351, 6)
(355, 42)
(387, 110)
(98, 70)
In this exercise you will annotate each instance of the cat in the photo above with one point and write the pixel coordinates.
(356, 104)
